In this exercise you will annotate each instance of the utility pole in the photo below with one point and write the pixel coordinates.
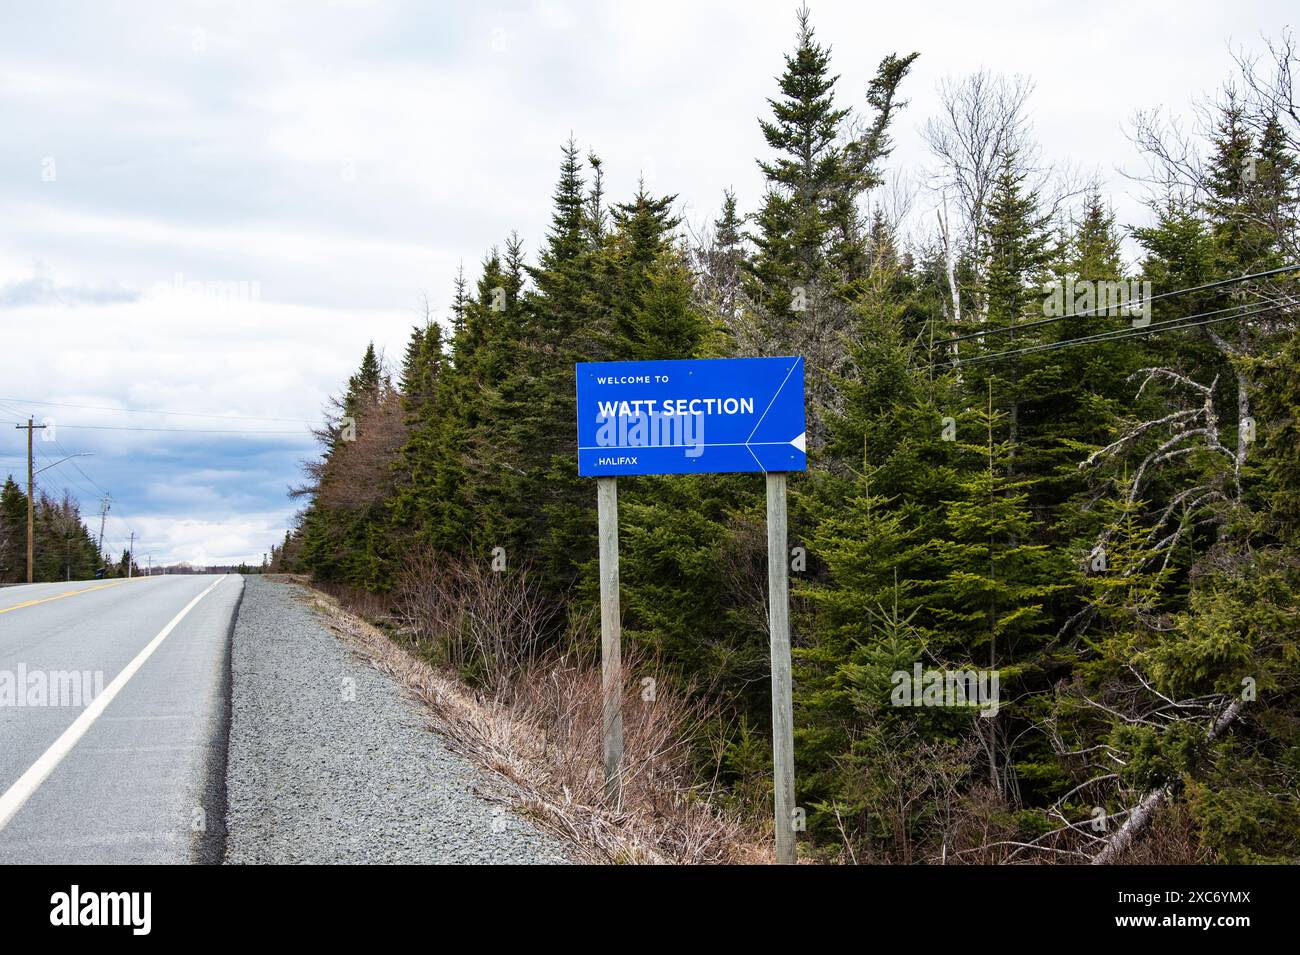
(30, 426)
(150, 559)
(103, 516)
(130, 555)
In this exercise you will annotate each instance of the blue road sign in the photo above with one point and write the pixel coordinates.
(703, 416)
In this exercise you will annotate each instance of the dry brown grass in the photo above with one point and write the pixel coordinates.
(486, 626)
(542, 736)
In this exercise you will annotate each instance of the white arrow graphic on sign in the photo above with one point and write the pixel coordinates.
(798, 442)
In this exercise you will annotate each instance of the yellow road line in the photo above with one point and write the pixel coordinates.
(69, 593)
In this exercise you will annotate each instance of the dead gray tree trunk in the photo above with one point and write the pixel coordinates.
(1141, 815)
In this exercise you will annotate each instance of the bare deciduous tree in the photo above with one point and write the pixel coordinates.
(983, 126)
(983, 121)
(1270, 85)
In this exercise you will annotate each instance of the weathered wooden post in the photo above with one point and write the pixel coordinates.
(778, 597)
(611, 636)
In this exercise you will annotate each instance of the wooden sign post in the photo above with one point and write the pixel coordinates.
(611, 636)
(778, 616)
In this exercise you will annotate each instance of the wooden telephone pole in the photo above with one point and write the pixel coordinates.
(103, 517)
(30, 426)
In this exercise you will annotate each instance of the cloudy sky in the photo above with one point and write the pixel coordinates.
(209, 209)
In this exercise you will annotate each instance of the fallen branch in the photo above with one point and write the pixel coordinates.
(1141, 815)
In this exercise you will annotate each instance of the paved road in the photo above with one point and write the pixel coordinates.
(140, 779)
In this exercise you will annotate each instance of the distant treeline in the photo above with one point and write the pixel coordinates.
(62, 546)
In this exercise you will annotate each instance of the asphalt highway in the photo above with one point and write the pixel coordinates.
(114, 712)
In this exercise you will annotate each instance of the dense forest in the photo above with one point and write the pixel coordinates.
(1042, 443)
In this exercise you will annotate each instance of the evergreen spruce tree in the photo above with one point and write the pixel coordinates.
(810, 247)
(803, 184)
(721, 264)
(13, 532)
(990, 597)
(364, 385)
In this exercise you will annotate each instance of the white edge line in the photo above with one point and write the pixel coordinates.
(18, 794)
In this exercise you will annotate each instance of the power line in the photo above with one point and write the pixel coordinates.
(55, 465)
(12, 411)
(45, 491)
(73, 462)
(1173, 324)
(106, 427)
(99, 489)
(1106, 335)
(1009, 329)
(182, 414)
(109, 427)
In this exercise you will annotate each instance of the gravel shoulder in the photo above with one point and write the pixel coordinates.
(329, 762)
